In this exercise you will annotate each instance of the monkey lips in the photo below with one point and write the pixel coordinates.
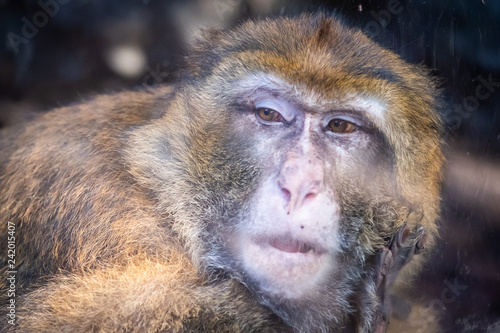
(291, 245)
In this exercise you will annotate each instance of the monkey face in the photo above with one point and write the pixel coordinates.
(290, 179)
(290, 240)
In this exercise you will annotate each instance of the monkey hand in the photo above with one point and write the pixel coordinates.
(390, 261)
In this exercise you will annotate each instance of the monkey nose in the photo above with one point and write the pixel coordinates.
(300, 181)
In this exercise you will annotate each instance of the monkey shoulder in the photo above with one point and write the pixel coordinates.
(65, 182)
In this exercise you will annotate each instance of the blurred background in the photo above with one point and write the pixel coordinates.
(55, 52)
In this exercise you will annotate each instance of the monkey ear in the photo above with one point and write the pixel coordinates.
(204, 54)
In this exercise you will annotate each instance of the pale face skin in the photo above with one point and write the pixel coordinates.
(290, 241)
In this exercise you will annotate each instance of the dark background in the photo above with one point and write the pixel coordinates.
(55, 52)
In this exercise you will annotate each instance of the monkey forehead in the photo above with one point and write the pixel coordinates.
(321, 54)
(258, 85)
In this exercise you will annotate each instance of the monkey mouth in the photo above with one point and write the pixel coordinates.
(291, 245)
(286, 265)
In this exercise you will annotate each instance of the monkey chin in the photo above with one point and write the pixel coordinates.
(286, 267)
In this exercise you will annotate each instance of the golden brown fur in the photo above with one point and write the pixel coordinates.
(109, 197)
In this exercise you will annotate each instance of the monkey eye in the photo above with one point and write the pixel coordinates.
(269, 115)
(341, 126)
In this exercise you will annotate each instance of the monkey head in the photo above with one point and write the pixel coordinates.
(308, 147)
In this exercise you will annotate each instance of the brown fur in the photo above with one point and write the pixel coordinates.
(107, 196)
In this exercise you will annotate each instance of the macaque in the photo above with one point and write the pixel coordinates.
(279, 186)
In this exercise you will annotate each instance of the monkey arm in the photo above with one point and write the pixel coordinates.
(143, 296)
